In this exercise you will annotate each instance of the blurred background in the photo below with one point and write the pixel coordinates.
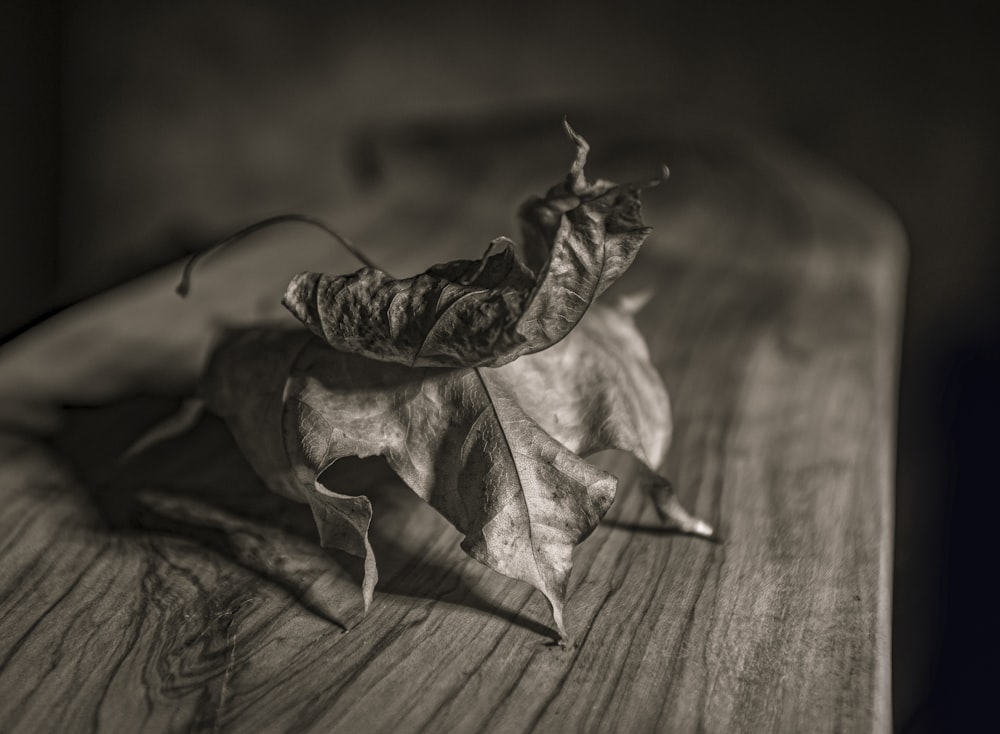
(133, 130)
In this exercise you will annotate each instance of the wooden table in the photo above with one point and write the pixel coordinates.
(173, 592)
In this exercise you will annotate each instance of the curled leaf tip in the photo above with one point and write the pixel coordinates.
(300, 293)
(702, 528)
(569, 129)
(654, 182)
(582, 149)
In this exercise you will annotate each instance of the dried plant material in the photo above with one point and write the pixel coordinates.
(579, 238)
(495, 451)
(481, 382)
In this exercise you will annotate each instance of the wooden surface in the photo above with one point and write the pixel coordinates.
(171, 592)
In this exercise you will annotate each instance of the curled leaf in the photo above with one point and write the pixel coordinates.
(579, 238)
(481, 382)
(495, 451)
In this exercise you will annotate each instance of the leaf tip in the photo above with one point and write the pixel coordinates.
(654, 182)
(582, 147)
(702, 528)
(371, 575)
(632, 303)
(569, 128)
(670, 511)
(301, 298)
(176, 424)
(557, 617)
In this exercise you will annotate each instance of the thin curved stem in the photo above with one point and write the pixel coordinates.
(185, 285)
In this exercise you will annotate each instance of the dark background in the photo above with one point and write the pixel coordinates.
(129, 132)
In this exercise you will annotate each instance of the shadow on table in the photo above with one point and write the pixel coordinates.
(197, 487)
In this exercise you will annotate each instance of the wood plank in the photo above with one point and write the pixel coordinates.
(172, 591)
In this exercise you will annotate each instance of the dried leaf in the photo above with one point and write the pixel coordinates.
(425, 372)
(579, 238)
(494, 450)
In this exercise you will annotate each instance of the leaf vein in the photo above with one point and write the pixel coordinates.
(517, 470)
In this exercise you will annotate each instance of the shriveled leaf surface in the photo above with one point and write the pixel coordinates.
(494, 450)
(578, 240)
(598, 390)
(425, 372)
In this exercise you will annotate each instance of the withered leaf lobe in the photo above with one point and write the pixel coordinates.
(494, 450)
(578, 239)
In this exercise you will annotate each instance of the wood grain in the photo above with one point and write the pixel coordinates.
(170, 591)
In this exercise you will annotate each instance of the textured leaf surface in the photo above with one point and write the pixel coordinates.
(578, 240)
(494, 450)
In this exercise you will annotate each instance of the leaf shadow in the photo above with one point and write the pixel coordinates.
(204, 491)
(93, 439)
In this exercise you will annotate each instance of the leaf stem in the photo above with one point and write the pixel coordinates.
(184, 287)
